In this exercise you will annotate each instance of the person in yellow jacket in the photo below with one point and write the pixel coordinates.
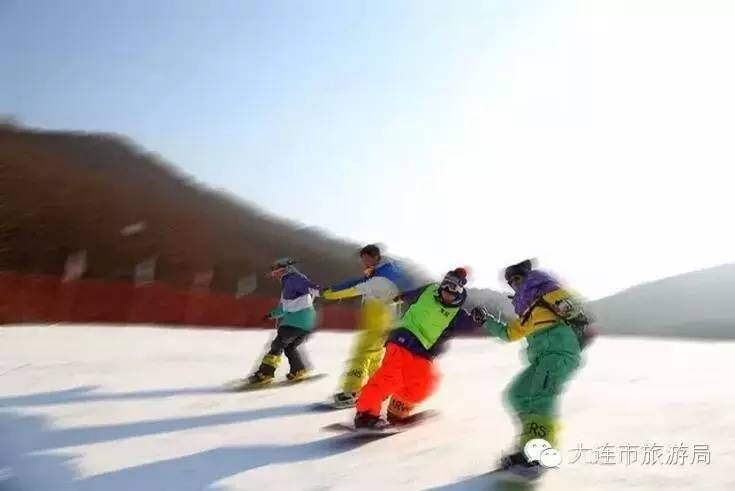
(382, 282)
(556, 328)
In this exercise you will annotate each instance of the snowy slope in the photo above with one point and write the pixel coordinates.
(100, 408)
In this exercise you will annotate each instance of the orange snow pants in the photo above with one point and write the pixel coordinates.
(409, 378)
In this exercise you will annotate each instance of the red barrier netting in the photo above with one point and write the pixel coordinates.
(9, 308)
(44, 299)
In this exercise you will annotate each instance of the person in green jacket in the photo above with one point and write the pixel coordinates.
(296, 320)
(553, 323)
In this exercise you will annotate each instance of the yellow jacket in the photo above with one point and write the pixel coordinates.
(556, 306)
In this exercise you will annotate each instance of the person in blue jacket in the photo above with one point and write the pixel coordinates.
(381, 283)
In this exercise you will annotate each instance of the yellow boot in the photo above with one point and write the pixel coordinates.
(258, 379)
(298, 375)
(266, 371)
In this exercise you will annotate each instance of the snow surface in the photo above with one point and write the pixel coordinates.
(113, 408)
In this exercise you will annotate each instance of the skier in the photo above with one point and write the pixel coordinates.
(408, 374)
(553, 323)
(297, 318)
(382, 282)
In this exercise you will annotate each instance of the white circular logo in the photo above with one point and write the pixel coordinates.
(533, 448)
(550, 458)
(541, 451)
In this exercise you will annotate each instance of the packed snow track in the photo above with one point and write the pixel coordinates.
(138, 408)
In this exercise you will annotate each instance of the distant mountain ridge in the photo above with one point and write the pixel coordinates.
(697, 304)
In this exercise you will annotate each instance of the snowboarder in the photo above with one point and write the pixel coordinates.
(553, 323)
(382, 282)
(296, 320)
(408, 374)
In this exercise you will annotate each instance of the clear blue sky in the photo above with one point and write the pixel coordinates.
(438, 128)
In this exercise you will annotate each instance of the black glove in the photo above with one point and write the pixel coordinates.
(480, 314)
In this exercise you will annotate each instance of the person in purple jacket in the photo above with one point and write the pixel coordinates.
(297, 319)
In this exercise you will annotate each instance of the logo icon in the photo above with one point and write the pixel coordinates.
(541, 451)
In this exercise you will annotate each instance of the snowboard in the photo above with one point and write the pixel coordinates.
(391, 429)
(242, 385)
(511, 481)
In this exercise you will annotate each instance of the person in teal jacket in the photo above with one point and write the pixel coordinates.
(296, 320)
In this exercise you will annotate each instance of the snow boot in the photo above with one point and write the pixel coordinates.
(268, 365)
(370, 422)
(343, 400)
(298, 375)
(258, 379)
(519, 468)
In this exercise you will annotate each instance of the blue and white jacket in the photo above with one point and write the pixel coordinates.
(383, 283)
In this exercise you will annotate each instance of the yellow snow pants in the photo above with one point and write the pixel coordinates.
(375, 322)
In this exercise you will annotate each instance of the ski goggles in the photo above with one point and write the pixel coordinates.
(452, 288)
(277, 269)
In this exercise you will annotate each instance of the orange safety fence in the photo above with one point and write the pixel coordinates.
(28, 298)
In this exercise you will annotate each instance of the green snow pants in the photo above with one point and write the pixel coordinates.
(534, 393)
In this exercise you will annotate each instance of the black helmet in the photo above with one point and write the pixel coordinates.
(521, 269)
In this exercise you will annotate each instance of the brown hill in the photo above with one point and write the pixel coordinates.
(64, 192)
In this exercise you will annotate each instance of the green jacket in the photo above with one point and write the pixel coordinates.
(303, 319)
